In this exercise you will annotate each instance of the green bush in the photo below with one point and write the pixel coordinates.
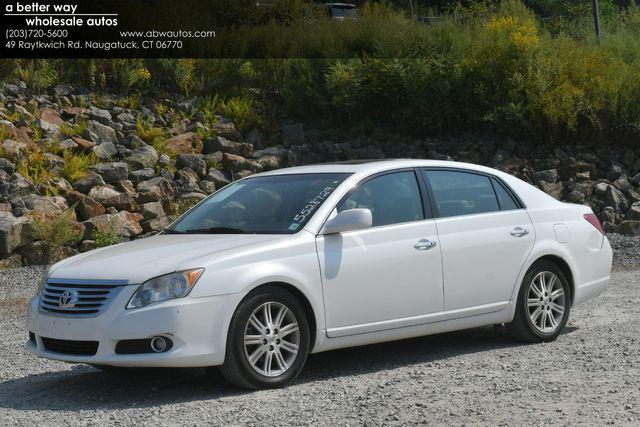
(106, 235)
(492, 67)
(55, 230)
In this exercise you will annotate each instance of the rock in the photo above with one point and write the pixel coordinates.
(553, 189)
(7, 166)
(125, 224)
(83, 143)
(100, 115)
(630, 227)
(68, 144)
(152, 210)
(207, 186)
(85, 184)
(255, 138)
(143, 157)
(164, 160)
(222, 144)
(293, 135)
(86, 207)
(155, 225)
(50, 120)
(609, 214)
(612, 196)
(102, 132)
(12, 261)
(141, 175)
(112, 172)
(636, 179)
(226, 129)
(61, 185)
(109, 197)
(194, 162)
(273, 158)
(13, 233)
(549, 175)
(132, 142)
(126, 117)
(587, 170)
(46, 204)
(634, 212)
(186, 181)
(104, 151)
(154, 190)
(13, 149)
(238, 163)
(40, 253)
(16, 185)
(218, 178)
(87, 245)
(189, 142)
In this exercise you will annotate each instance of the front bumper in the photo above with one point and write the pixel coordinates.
(197, 327)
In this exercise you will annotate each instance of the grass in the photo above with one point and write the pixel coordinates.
(77, 129)
(55, 230)
(107, 235)
(76, 166)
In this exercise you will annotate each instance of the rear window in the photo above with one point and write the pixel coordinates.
(507, 203)
(462, 193)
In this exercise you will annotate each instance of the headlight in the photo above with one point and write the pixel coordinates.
(162, 288)
(43, 280)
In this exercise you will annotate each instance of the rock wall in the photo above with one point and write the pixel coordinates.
(134, 191)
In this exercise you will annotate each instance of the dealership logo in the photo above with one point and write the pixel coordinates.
(68, 299)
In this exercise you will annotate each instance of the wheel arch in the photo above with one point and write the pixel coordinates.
(562, 265)
(300, 296)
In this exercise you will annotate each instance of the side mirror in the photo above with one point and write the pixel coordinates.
(349, 220)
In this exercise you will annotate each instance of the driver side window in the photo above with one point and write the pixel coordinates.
(392, 199)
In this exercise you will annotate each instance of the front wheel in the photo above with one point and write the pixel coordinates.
(543, 304)
(268, 340)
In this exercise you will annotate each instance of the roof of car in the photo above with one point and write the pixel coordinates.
(372, 166)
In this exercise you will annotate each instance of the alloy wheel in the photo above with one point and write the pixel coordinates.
(271, 339)
(546, 301)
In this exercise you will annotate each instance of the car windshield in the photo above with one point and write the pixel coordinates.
(278, 204)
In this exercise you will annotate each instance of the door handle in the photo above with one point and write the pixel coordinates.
(424, 245)
(519, 232)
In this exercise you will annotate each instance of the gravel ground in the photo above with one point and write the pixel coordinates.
(590, 375)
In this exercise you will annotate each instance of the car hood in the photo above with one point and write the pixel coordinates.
(143, 259)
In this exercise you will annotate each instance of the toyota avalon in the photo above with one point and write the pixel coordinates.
(307, 259)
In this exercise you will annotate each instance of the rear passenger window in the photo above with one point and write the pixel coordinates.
(393, 198)
(462, 193)
(504, 198)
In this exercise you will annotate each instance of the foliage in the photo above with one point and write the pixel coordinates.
(484, 67)
(55, 230)
(106, 235)
(77, 129)
(36, 167)
(77, 165)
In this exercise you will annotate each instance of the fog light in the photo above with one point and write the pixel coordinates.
(158, 344)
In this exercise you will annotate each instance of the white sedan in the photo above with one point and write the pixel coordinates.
(308, 259)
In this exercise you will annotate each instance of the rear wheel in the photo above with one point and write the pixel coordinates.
(268, 340)
(543, 305)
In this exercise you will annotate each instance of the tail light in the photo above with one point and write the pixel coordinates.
(593, 220)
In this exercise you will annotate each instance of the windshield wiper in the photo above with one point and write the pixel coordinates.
(211, 230)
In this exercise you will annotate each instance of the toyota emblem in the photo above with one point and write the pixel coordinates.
(68, 299)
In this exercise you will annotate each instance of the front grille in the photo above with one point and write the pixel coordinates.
(76, 348)
(78, 299)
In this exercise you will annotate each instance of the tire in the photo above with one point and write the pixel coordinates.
(527, 325)
(268, 360)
